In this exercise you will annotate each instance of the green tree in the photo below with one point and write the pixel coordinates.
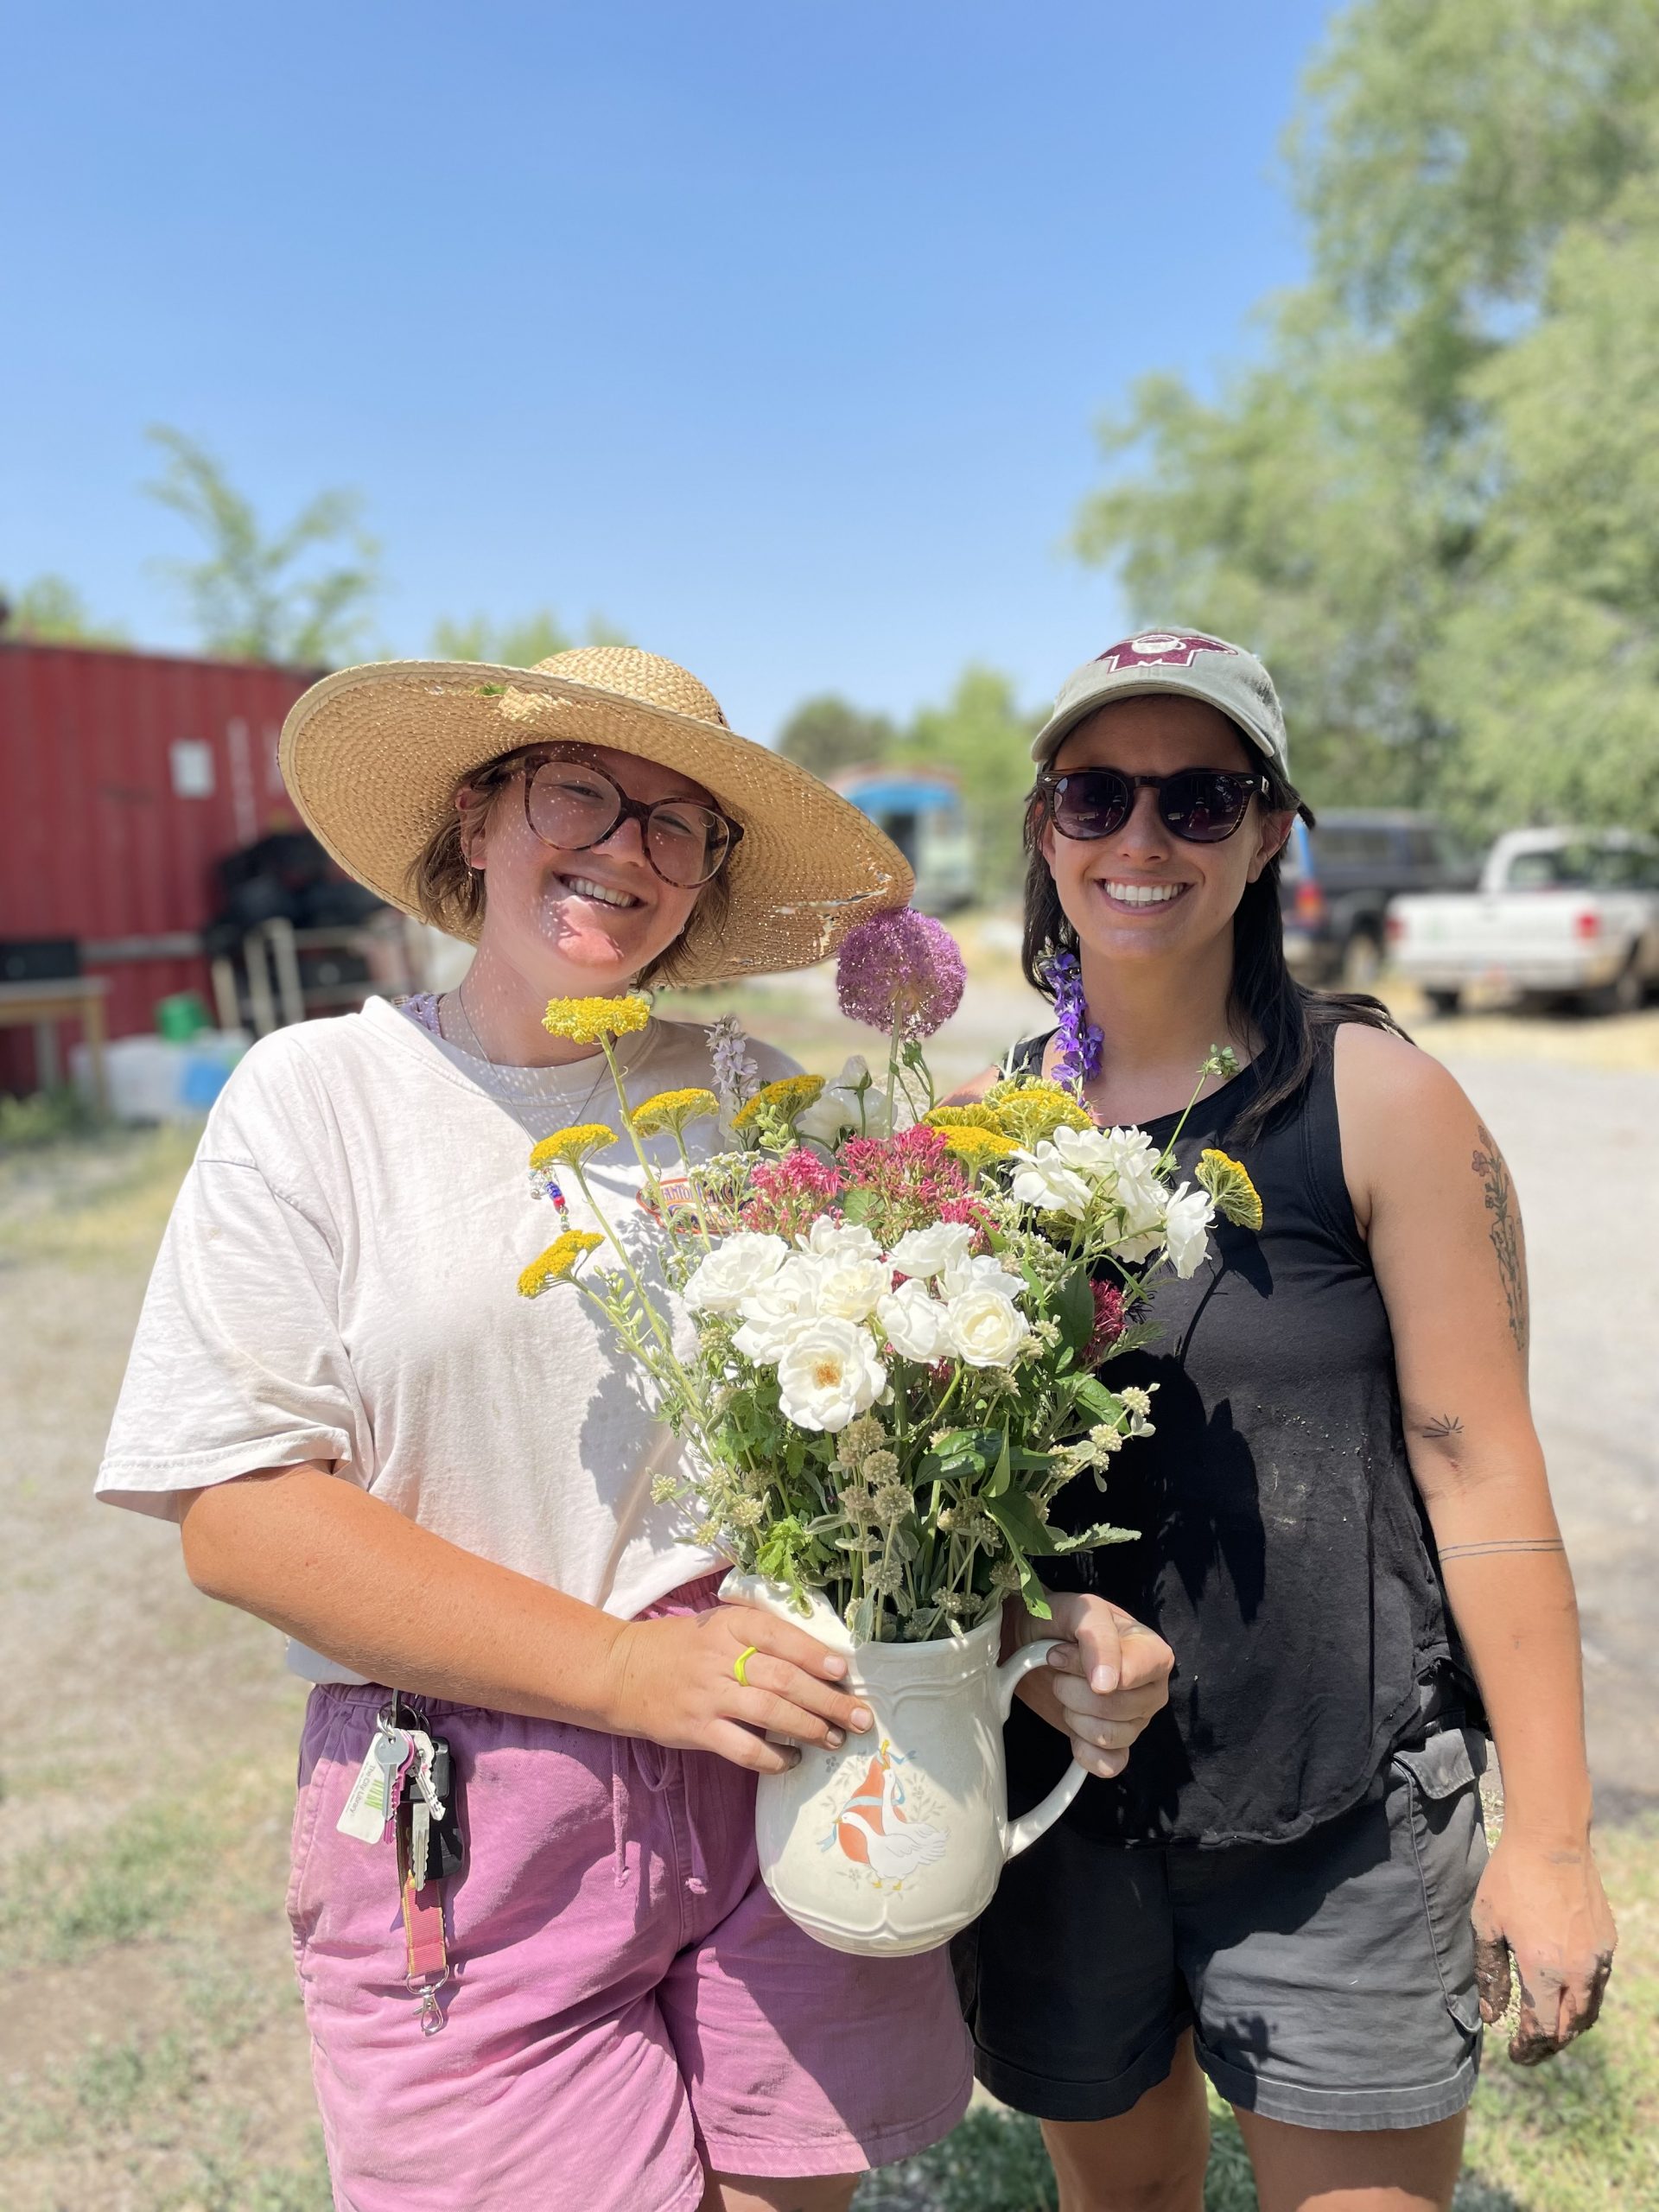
(50, 610)
(828, 735)
(256, 597)
(1428, 501)
(981, 735)
(519, 644)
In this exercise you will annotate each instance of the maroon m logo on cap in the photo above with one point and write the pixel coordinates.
(1161, 649)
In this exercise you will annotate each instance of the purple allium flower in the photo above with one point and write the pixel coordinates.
(900, 969)
(1077, 1041)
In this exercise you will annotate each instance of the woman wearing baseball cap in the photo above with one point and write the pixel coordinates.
(553, 1976)
(1346, 1536)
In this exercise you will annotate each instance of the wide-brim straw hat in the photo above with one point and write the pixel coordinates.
(371, 757)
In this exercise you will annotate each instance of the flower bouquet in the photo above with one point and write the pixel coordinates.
(901, 1311)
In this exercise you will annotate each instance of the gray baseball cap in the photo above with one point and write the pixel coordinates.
(1200, 667)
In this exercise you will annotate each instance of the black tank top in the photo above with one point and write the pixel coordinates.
(1284, 1552)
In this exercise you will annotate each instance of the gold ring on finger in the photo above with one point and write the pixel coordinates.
(740, 1664)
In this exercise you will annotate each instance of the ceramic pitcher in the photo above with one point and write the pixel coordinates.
(892, 1843)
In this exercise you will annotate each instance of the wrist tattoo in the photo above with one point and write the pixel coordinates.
(1511, 1544)
(1442, 1426)
(1506, 1233)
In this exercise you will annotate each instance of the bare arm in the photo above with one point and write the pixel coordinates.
(1434, 1199)
(351, 1577)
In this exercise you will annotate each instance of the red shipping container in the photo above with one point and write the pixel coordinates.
(123, 777)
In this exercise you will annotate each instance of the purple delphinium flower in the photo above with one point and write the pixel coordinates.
(1077, 1041)
(900, 969)
(737, 1076)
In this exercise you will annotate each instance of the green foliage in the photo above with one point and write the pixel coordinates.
(982, 737)
(256, 597)
(1428, 502)
(826, 735)
(49, 611)
(519, 643)
(45, 1117)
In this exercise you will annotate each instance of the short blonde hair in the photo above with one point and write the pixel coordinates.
(448, 892)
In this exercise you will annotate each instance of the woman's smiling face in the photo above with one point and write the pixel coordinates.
(1142, 892)
(580, 921)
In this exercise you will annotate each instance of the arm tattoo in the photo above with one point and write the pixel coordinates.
(1514, 1544)
(1505, 1232)
(1442, 1427)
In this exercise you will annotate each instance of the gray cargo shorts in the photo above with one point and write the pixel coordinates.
(1329, 1982)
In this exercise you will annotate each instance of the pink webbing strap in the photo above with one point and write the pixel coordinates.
(425, 1953)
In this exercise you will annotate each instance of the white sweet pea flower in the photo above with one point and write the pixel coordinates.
(1044, 1181)
(929, 1251)
(1090, 1151)
(772, 1313)
(914, 1323)
(830, 1375)
(1142, 1202)
(986, 1329)
(852, 1105)
(1186, 1227)
(850, 1288)
(736, 1266)
(984, 1271)
(828, 1237)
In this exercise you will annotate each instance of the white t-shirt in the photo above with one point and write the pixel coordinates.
(339, 1283)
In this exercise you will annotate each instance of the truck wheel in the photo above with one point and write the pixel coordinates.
(1445, 1003)
(1625, 994)
(1362, 961)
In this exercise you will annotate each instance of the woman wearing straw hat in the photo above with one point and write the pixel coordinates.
(444, 1497)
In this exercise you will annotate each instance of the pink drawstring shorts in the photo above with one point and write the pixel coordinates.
(628, 2007)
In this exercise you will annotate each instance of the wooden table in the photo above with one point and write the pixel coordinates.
(65, 998)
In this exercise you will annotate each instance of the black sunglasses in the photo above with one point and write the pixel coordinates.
(1202, 805)
(575, 806)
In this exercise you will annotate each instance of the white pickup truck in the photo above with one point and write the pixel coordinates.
(1560, 914)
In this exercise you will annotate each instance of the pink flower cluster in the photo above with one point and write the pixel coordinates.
(911, 1180)
(789, 1196)
(1109, 1323)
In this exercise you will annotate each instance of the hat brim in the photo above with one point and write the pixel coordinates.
(372, 756)
(1059, 726)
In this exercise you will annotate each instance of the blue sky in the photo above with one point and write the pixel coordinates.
(774, 333)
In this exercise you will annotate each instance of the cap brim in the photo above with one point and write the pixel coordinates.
(372, 756)
(1060, 725)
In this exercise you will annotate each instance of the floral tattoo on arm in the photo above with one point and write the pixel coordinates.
(1504, 1230)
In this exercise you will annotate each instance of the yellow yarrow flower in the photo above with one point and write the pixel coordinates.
(787, 1098)
(674, 1110)
(1028, 1112)
(585, 1021)
(1229, 1184)
(561, 1260)
(977, 1148)
(962, 1117)
(570, 1147)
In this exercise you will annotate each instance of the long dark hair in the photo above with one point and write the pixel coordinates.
(1291, 1021)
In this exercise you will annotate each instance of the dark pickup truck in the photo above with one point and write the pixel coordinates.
(1337, 880)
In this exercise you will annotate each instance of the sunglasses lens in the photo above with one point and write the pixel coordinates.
(572, 807)
(1091, 803)
(687, 842)
(1205, 805)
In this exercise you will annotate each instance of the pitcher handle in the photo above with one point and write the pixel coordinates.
(1017, 1835)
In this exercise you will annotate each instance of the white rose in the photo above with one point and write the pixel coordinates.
(830, 1375)
(851, 1105)
(849, 1288)
(841, 1238)
(985, 1329)
(735, 1269)
(929, 1251)
(914, 1323)
(1186, 1227)
(984, 1272)
(772, 1313)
